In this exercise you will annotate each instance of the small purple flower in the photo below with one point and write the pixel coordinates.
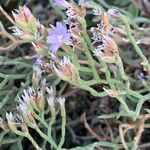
(63, 3)
(141, 76)
(58, 36)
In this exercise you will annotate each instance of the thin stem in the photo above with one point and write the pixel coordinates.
(125, 106)
(52, 121)
(133, 41)
(41, 120)
(139, 106)
(6, 15)
(91, 62)
(3, 83)
(33, 142)
(5, 100)
(44, 136)
(73, 56)
(84, 85)
(27, 135)
(121, 70)
(16, 76)
(63, 127)
(107, 74)
(88, 48)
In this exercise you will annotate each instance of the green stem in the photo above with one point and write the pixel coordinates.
(63, 127)
(44, 136)
(139, 106)
(85, 86)
(27, 135)
(125, 106)
(41, 120)
(72, 55)
(33, 142)
(52, 121)
(88, 47)
(91, 62)
(121, 70)
(5, 100)
(107, 74)
(94, 82)
(3, 83)
(133, 41)
(16, 76)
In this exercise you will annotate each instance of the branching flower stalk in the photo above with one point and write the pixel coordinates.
(12, 126)
(60, 51)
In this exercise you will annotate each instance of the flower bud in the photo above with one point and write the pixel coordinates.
(51, 104)
(11, 122)
(97, 11)
(107, 51)
(24, 18)
(111, 93)
(26, 114)
(66, 70)
(40, 101)
(22, 34)
(23, 126)
(61, 101)
(27, 27)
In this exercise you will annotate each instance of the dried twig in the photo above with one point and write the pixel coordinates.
(6, 15)
(13, 43)
(139, 125)
(89, 128)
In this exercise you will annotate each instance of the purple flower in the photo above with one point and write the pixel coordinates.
(141, 76)
(63, 3)
(58, 36)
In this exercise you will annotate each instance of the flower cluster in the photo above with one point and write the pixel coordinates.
(29, 108)
(52, 100)
(27, 27)
(66, 70)
(105, 45)
(75, 20)
(58, 36)
(32, 98)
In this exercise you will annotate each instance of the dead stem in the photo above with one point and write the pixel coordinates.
(89, 128)
(138, 126)
(13, 43)
(6, 15)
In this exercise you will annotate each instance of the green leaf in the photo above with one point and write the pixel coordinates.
(133, 10)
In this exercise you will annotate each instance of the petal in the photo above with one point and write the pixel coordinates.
(61, 28)
(54, 48)
(52, 39)
(67, 38)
